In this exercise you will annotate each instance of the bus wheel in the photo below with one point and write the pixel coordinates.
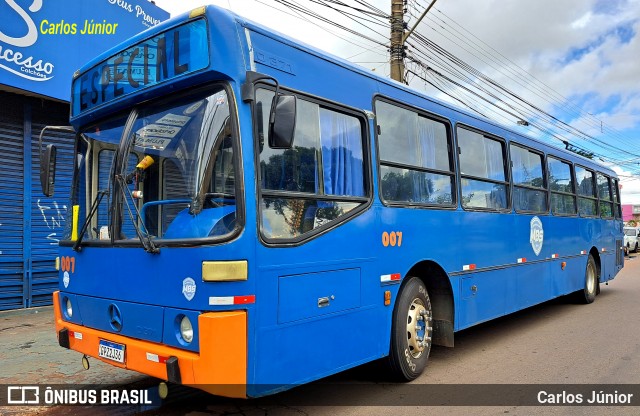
(411, 331)
(588, 294)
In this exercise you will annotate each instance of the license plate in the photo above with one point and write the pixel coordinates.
(111, 351)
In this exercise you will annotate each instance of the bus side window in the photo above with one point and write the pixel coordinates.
(604, 193)
(482, 171)
(317, 181)
(587, 198)
(616, 199)
(563, 199)
(416, 166)
(529, 192)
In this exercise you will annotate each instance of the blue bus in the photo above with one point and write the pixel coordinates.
(251, 213)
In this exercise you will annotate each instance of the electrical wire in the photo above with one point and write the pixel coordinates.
(541, 86)
(517, 73)
(476, 89)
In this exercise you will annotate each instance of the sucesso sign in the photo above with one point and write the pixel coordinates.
(42, 42)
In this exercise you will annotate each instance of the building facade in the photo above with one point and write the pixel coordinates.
(42, 43)
(630, 212)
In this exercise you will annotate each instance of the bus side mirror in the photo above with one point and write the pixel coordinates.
(282, 124)
(48, 170)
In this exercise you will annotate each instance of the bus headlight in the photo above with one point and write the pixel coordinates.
(68, 307)
(186, 330)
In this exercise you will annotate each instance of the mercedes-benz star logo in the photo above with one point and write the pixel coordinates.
(115, 317)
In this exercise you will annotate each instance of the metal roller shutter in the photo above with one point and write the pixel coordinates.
(49, 214)
(13, 285)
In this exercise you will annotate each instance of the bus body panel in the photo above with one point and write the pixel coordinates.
(292, 345)
(220, 368)
(125, 276)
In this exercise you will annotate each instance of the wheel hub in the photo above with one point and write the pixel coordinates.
(419, 328)
(591, 278)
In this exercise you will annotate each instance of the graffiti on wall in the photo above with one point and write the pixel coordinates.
(54, 217)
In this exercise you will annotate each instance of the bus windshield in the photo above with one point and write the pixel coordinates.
(166, 171)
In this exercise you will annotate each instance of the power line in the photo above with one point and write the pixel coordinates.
(291, 4)
(481, 90)
(479, 75)
(534, 84)
(372, 12)
(545, 88)
(467, 90)
(299, 16)
(512, 96)
(351, 16)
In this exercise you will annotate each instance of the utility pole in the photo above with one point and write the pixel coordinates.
(398, 37)
(397, 44)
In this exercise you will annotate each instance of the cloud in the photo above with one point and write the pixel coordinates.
(630, 192)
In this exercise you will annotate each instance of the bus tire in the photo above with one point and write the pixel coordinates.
(411, 331)
(588, 293)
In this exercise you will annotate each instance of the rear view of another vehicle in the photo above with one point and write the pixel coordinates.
(631, 239)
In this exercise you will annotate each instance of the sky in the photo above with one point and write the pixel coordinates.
(578, 60)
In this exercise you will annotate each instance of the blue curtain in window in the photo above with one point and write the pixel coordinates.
(493, 155)
(426, 151)
(341, 140)
(427, 143)
(519, 176)
(519, 169)
(495, 171)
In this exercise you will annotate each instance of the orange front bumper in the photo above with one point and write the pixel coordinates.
(220, 368)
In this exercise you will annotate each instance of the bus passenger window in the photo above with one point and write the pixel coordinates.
(415, 162)
(529, 192)
(616, 199)
(303, 187)
(295, 170)
(604, 192)
(563, 199)
(587, 203)
(482, 171)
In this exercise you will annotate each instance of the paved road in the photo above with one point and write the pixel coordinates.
(554, 343)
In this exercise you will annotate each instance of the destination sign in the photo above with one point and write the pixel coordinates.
(168, 56)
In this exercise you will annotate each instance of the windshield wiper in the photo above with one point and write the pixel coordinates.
(94, 208)
(147, 242)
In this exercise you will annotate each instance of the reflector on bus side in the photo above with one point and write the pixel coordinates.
(224, 271)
